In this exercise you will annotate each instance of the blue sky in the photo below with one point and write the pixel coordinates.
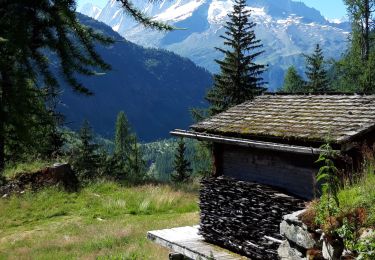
(329, 8)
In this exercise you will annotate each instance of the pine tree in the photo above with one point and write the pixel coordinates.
(85, 158)
(136, 165)
(240, 78)
(182, 170)
(29, 31)
(316, 72)
(123, 137)
(293, 82)
(127, 160)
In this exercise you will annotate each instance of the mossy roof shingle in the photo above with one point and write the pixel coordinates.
(300, 117)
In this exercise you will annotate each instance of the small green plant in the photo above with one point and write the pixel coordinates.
(366, 249)
(325, 209)
(348, 233)
(182, 169)
(328, 173)
(328, 178)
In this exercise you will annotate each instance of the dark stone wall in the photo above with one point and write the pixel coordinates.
(294, 173)
(242, 216)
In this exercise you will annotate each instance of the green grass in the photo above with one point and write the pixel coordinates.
(11, 171)
(102, 220)
(362, 194)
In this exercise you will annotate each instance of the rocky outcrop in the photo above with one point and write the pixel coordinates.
(298, 238)
(56, 175)
(302, 243)
(288, 252)
(244, 217)
(297, 232)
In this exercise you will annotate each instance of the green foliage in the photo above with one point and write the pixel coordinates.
(202, 158)
(13, 170)
(86, 158)
(360, 195)
(127, 160)
(142, 18)
(182, 170)
(353, 212)
(293, 82)
(240, 78)
(347, 232)
(361, 14)
(326, 208)
(316, 72)
(327, 178)
(32, 33)
(123, 137)
(328, 173)
(27, 121)
(30, 30)
(366, 248)
(159, 156)
(355, 72)
(136, 165)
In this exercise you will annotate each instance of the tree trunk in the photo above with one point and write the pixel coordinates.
(2, 125)
(4, 90)
(366, 36)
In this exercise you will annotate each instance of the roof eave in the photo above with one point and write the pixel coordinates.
(247, 143)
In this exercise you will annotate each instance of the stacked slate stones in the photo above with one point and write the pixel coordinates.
(244, 217)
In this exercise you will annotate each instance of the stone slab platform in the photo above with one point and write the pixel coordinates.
(187, 241)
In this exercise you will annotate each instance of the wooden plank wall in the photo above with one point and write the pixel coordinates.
(293, 173)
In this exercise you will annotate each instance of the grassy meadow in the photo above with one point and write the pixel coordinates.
(103, 220)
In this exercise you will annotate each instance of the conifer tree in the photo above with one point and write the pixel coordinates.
(293, 82)
(127, 160)
(29, 30)
(85, 158)
(182, 170)
(316, 72)
(240, 78)
(135, 164)
(123, 137)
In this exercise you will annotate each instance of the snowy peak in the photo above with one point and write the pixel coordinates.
(287, 29)
(90, 10)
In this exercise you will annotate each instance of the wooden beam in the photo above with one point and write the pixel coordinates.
(247, 143)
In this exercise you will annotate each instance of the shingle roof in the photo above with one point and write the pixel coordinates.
(299, 117)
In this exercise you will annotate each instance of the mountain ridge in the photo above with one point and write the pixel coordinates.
(287, 29)
(154, 87)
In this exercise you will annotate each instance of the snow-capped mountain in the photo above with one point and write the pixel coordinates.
(91, 10)
(286, 28)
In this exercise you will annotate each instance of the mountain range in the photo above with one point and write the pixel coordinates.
(287, 29)
(154, 87)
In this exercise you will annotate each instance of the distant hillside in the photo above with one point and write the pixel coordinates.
(154, 87)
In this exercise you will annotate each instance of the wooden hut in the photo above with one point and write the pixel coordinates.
(275, 139)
